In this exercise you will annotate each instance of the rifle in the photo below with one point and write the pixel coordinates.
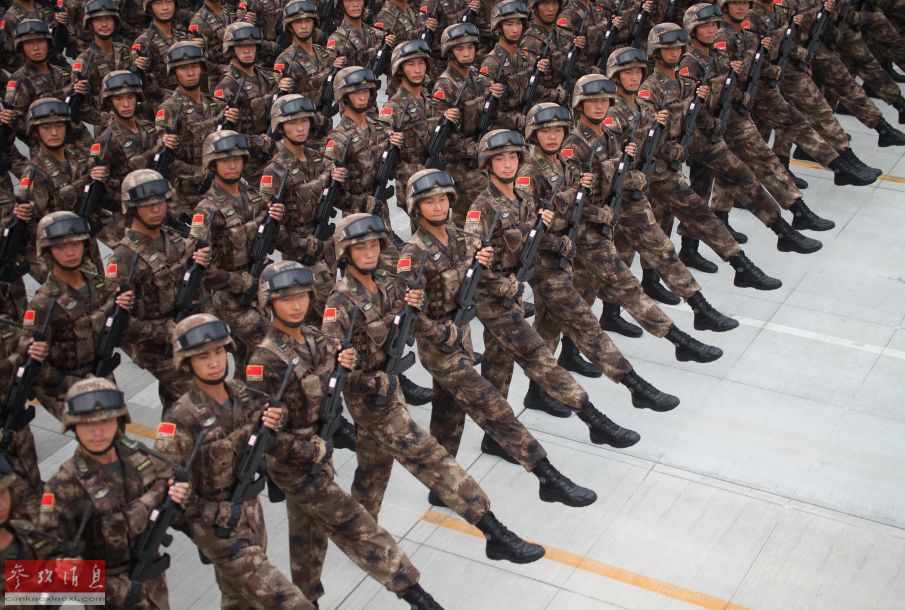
(326, 206)
(427, 34)
(14, 240)
(670, 10)
(789, 38)
(465, 307)
(135, 69)
(15, 414)
(177, 225)
(820, 23)
(332, 407)
(263, 246)
(146, 565)
(572, 57)
(534, 80)
(284, 70)
(89, 206)
(640, 23)
(382, 58)
(248, 481)
(75, 100)
(191, 282)
(442, 131)
(490, 108)
(578, 205)
(606, 45)
(107, 358)
(829, 36)
(689, 122)
(387, 168)
(616, 197)
(59, 33)
(757, 66)
(724, 104)
(6, 132)
(164, 156)
(326, 105)
(233, 103)
(649, 152)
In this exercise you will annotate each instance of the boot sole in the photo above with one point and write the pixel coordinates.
(497, 555)
(803, 227)
(548, 497)
(686, 357)
(851, 182)
(786, 248)
(716, 329)
(606, 440)
(644, 405)
(747, 284)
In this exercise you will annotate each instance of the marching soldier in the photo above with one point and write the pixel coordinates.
(209, 23)
(354, 39)
(541, 29)
(266, 15)
(149, 51)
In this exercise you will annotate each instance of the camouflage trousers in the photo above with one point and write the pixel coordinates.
(13, 302)
(245, 576)
(317, 510)
(799, 88)
(772, 110)
(861, 62)
(248, 326)
(881, 36)
(715, 162)
(671, 194)
(387, 433)
(509, 338)
(154, 594)
(469, 184)
(833, 77)
(598, 269)
(460, 390)
(22, 450)
(637, 230)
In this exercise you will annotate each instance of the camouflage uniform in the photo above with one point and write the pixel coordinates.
(211, 26)
(134, 20)
(95, 66)
(254, 105)
(268, 17)
(885, 41)
(26, 485)
(12, 294)
(154, 45)
(860, 61)
(14, 15)
(596, 26)
(308, 72)
(532, 43)
(357, 46)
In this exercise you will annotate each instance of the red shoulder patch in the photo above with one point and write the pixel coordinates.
(330, 145)
(644, 94)
(473, 216)
(379, 24)
(278, 67)
(197, 220)
(137, 47)
(330, 314)
(331, 43)
(254, 372)
(165, 430)
(746, 25)
(423, 9)
(562, 22)
(161, 115)
(219, 93)
(404, 264)
(25, 183)
(243, 4)
(266, 182)
(47, 503)
(77, 66)
(721, 45)
(684, 71)
(193, 28)
(524, 181)
(485, 70)
(95, 149)
(11, 84)
(440, 94)
(608, 121)
(112, 271)
(386, 111)
(29, 318)
(568, 153)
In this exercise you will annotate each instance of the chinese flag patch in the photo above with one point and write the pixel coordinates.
(2, 25)
(684, 71)
(484, 70)
(423, 9)
(562, 22)
(331, 43)
(219, 93)
(330, 314)
(721, 45)
(568, 153)
(386, 111)
(112, 271)
(523, 181)
(266, 182)
(746, 25)
(193, 28)
(330, 144)
(254, 372)
(160, 116)
(96, 149)
(197, 220)
(166, 430)
(473, 216)
(25, 183)
(609, 121)
(29, 318)
(278, 67)
(440, 95)
(11, 85)
(378, 25)
(77, 66)
(47, 503)
(404, 264)
(644, 94)
(137, 47)
(243, 5)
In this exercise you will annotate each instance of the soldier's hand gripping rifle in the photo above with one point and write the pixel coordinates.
(146, 565)
(16, 415)
(637, 39)
(389, 158)
(437, 143)
(226, 123)
(578, 206)
(490, 108)
(89, 204)
(326, 105)
(332, 407)
(107, 359)
(616, 196)
(757, 66)
(571, 63)
(263, 245)
(690, 120)
(724, 104)
(400, 336)
(249, 480)
(648, 152)
(326, 206)
(59, 33)
(817, 29)
(427, 34)
(165, 156)
(190, 286)
(533, 87)
(382, 58)
(465, 305)
(75, 99)
(14, 239)
(606, 44)
(789, 37)
(284, 70)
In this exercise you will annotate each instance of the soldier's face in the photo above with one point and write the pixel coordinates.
(97, 436)
(211, 365)
(303, 28)
(296, 130)
(435, 209)
(35, 50)
(359, 100)
(671, 56)
(464, 53)
(547, 10)
(230, 169)
(706, 33)
(504, 165)
(163, 10)
(69, 255)
(353, 8)
(6, 502)
(595, 109)
(152, 216)
(513, 30)
(291, 309)
(189, 76)
(103, 26)
(124, 104)
(245, 53)
(631, 79)
(414, 70)
(365, 255)
(738, 10)
(52, 135)
(550, 138)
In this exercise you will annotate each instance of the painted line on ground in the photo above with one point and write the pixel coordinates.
(599, 568)
(812, 165)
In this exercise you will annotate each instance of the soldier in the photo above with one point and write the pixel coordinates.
(130, 142)
(401, 19)
(16, 12)
(163, 256)
(354, 39)
(135, 19)
(83, 302)
(543, 29)
(231, 536)
(149, 51)
(38, 79)
(122, 479)
(17, 530)
(317, 508)
(230, 214)
(597, 23)
(102, 56)
(209, 23)
(266, 15)
(12, 289)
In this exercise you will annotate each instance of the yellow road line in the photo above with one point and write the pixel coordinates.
(599, 568)
(898, 179)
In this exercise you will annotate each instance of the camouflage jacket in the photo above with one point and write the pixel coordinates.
(57, 184)
(154, 45)
(364, 157)
(674, 95)
(404, 22)
(15, 14)
(357, 46)
(211, 26)
(192, 121)
(513, 71)
(127, 152)
(694, 66)
(307, 71)
(254, 101)
(596, 25)
(476, 85)
(27, 84)
(93, 66)
(532, 43)
(607, 153)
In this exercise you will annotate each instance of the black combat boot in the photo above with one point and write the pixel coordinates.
(800, 183)
(345, 436)
(556, 487)
(689, 348)
(749, 275)
(736, 235)
(706, 317)
(503, 544)
(806, 220)
(539, 400)
(852, 158)
(845, 173)
(646, 396)
(414, 394)
(571, 360)
(689, 255)
(791, 240)
(802, 155)
(900, 106)
(419, 599)
(491, 447)
(889, 135)
(605, 431)
(611, 321)
(890, 69)
(650, 283)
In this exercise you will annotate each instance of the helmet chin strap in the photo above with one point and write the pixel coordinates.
(285, 323)
(217, 381)
(102, 451)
